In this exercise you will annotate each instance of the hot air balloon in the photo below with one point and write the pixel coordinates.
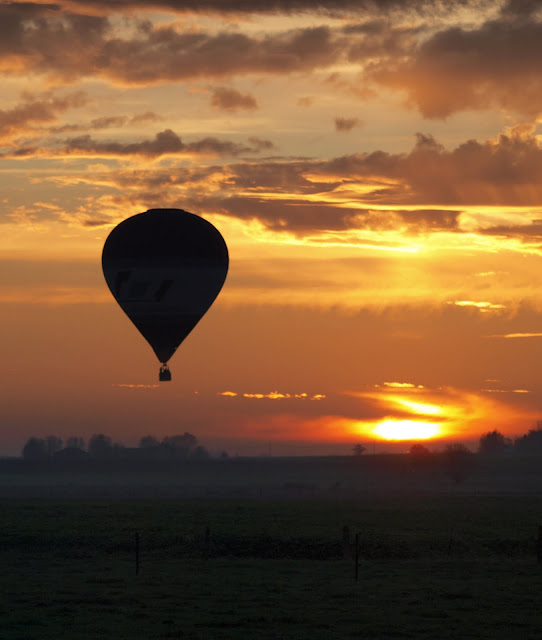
(165, 267)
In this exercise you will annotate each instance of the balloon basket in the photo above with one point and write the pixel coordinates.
(165, 373)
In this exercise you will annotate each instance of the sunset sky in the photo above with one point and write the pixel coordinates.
(375, 168)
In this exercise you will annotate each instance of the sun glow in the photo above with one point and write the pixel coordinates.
(422, 413)
(420, 407)
(417, 413)
(390, 429)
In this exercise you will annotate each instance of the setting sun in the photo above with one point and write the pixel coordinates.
(406, 430)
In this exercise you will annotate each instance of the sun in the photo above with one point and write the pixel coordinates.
(390, 429)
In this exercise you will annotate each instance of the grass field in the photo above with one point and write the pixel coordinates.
(431, 567)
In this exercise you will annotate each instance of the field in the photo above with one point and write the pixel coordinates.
(443, 564)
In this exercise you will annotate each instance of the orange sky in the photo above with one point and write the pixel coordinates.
(375, 169)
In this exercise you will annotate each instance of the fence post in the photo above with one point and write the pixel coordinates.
(137, 553)
(356, 557)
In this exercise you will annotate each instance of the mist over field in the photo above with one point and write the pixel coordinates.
(268, 477)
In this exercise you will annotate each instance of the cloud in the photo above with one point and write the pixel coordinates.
(64, 43)
(303, 218)
(496, 64)
(347, 124)
(37, 109)
(351, 189)
(502, 171)
(483, 307)
(165, 142)
(528, 230)
(43, 39)
(370, 40)
(517, 335)
(287, 7)
(280, 177)
(168, 55)
(505, 390)
(136, 386)
(228, 99)
(402, 385)
(442, 70)
(428, 190)
(305, 101)
(273, 395)
(108, 122)
(341, 194)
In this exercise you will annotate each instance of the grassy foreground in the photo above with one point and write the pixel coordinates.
(431, 567)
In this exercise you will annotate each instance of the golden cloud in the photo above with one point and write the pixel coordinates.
(273, 395)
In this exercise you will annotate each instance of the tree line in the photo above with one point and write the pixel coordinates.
(457, 460)
(102, 447)
(494, 442)
(186, 445)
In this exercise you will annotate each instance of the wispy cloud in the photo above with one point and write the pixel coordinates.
(506, 391)
(273, 395)
(480, 306)
(164, 143)
(36, 109)
(286, 7)
(136, 386)
(516, 335)
(401, 385)
(108, 122)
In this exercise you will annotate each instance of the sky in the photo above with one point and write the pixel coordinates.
(375, 168)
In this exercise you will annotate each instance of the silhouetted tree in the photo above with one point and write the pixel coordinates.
(531, 442)
(358, 449)
(180, 446)
(493, 442)
(71, 454)
(200, 453)
(177, 446)
(419, 451)
(149, 442)
(100, 446)
(419, 457)
(35, 449)
(458, 462)
(75, 443)
(118, 449)
(52, 445)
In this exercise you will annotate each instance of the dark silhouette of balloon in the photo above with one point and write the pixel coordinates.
(165, 267)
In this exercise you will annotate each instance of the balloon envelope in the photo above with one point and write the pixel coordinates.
(165, 267)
